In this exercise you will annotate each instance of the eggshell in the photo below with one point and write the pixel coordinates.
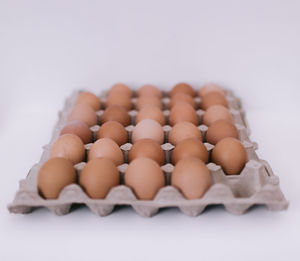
(80, 129)
(182, 88)
(149, 149)
(149, 90)
(151, 112)
(121, 100)
(145, 177)
(89, 99)
(85, 113)
(231, 155)
(148, 129)
(183, 112)
(211, 99)
(98, 177)
(54, 175)
(184, 130)
(113, 130)
(215, 113)
(182, 97)
(191, 177)
(219, 130)
(190, 148)
(106, 148)
(116, 113)
(144, 101)
(120, 89)
(210, 87)
(68, 146)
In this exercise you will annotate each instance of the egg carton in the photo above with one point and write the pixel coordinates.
(256, 184)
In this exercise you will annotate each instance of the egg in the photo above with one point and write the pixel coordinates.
(144, 101)
(210, 87)
(182, 97)
(190, 148)
(231, 155)
(85, 113)
(219, 130)
(215, 113)
(149, 149)
(191, 177)
(145, 177)
(183, 112)
(120, 89)
(89, 99)
(68, 146)
(98, 177)
(113, 130)
(182, 88)
(116, 113)
(80, 129)
(184, 130)
(151, 112)
(121, 100)
(149, 90)
(148, 129)
(106, 148)
(54, 175)
(213, 98)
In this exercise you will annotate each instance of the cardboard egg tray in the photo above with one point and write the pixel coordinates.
(256, 184)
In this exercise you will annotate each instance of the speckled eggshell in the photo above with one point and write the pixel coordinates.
(184, 130)
(148, 129)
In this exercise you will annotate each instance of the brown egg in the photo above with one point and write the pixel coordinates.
(85, 113)
(219, 130)
(121, 100)
(145, 177)
(54, 175)
(211, 99)
(210, 87)
(147, 148)
(231, 155)
(183, 112)
(191, 177)
(120, 89)
(148, 129)
(190, 148)
(68, 146)
(80, 129)
(182, 97)
(113, 130)
(89, 99)
(184, 130)
(151, 112)
(98, 177)
(144, 101)
(182, 88)
(116, 113)
(149, 90)
(106, 148)
(215, 113)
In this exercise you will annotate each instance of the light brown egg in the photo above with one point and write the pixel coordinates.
(210, 87)
(54, 175)
(190, 148)
(211, 99)
(113, 130)
(89, 99)
(106, 148)
(68, 146)
(116, 113)
(191, 177)
(121, 100)
(182, 97)
(148, 129)
(145, 177)
(215, 113)
(183, 112)
(98, 177)
(184, 130)
(120, 89)
(85, 113)
(80, 129)
(231, 155)
(182, 88)
(144, 101)
(147, 148)
(151, 112)
(149, 90)
(219, 130)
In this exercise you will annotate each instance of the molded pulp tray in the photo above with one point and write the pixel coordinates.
(255, 185)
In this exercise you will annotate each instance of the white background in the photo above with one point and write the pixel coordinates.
(49, 48)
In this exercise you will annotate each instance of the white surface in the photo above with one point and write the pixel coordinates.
(49, 48)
